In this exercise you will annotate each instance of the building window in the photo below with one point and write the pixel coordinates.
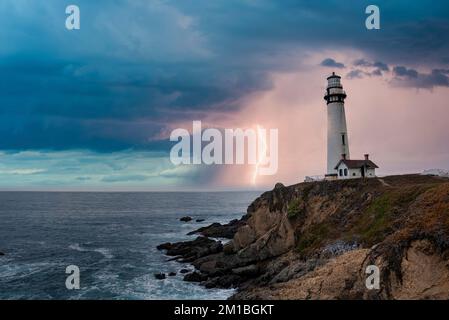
(346, 172)
(340, 172)
(353, 174)
(343, 139)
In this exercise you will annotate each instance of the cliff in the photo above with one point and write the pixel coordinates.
(314, 241)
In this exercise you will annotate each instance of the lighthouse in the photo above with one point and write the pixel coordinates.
(339, 164)
(337, 134)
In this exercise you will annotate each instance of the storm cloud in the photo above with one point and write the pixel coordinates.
(329, 62)
(412, 78)
(135, 67)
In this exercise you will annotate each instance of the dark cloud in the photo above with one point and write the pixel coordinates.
(412, 78)
(362, 63)
(329, 62)
(444, 71)
(135, 67)
(380, 66)
(402, 75)
(354, 74)
(402, 71)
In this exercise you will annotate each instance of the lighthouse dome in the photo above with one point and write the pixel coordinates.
(334, 90)
(333, 81)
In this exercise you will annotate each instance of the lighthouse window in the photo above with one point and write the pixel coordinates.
(343, 139)
(346, 172)
(341, 172)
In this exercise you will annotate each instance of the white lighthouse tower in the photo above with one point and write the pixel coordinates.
(337, 135)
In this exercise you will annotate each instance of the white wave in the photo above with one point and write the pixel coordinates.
(146, 287)
(77, 247)
(105, 252)
(16, 270)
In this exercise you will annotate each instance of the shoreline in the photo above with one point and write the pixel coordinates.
(314, 240)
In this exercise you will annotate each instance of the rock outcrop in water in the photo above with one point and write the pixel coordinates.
(218, 230)
(160, 276)
(314, 241)
(189, 251)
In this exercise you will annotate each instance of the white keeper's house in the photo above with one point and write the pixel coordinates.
(339, 163)
(347, 168)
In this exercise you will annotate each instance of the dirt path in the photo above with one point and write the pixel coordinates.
(384, 183)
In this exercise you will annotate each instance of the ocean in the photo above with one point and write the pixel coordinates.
(110, 236)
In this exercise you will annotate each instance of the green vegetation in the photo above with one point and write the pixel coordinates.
(314, 237)
(376, 222)
(386, 213)
(295, 207)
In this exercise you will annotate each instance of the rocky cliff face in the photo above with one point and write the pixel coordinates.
(315, 240)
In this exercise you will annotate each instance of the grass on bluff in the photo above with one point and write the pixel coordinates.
(314, 238)
(295, 207)
(381, 217)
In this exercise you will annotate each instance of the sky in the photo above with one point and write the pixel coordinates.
(93, 109)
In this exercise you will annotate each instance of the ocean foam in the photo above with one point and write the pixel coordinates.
(104, 251)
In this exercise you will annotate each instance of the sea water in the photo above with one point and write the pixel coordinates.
(110, 236)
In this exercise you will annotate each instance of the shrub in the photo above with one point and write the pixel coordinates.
(295, 207)
(314, 237)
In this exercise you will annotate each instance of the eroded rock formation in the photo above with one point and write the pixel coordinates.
(314, 241)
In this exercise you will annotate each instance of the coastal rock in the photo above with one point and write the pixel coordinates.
(228, 248)
(248, 271)
(1, 253)
(200, 220)
(279, 185)
(188, 251)
(314, 241)
(226, 281)
(338, 279)
(293, 269)
(218, 230)
(184, 271)
(425, 274)
(186, 219)
(160, 276)
(164, 246)
(268, 233)
(210, 266)
(195, 277)
(172, 274)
